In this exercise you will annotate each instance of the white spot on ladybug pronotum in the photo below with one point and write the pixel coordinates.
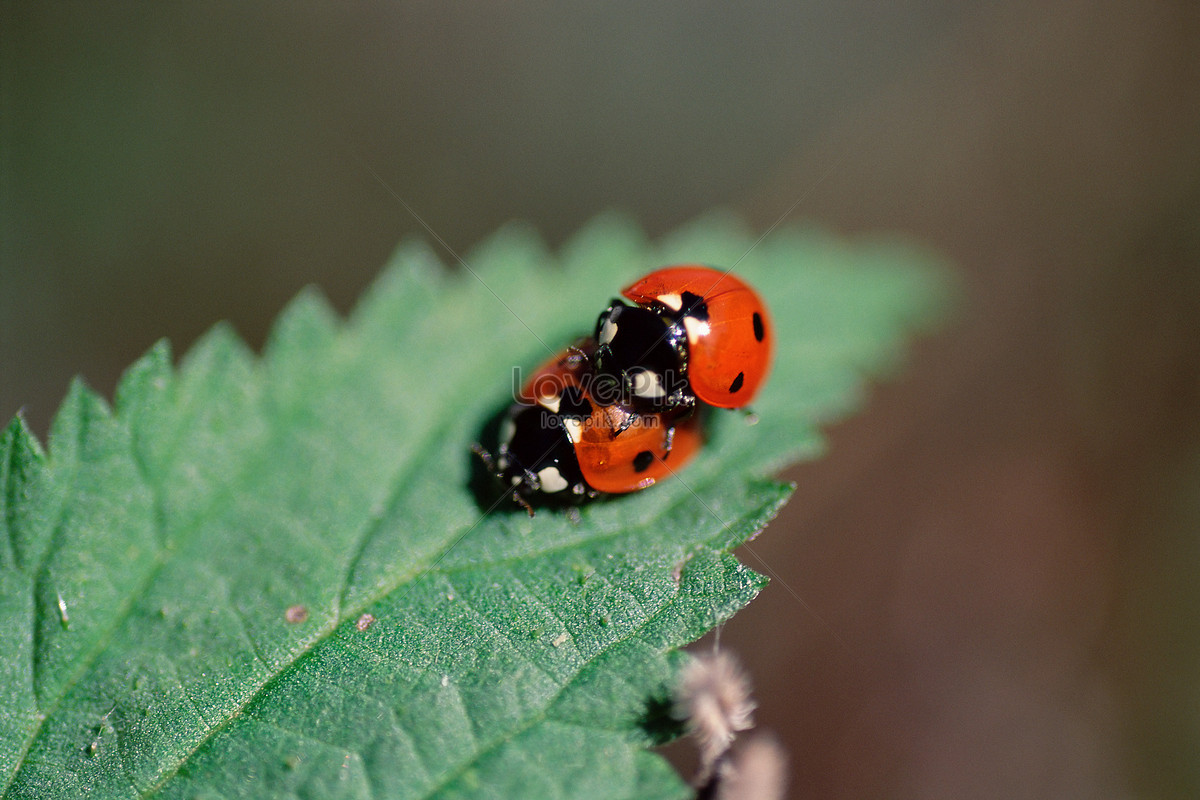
(574, 429)
(550, 402)
(552, 480)
(608, 329)
(647, 384)
(672, 301)
(696, 329)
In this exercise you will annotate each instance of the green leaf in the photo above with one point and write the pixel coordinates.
(269, 577)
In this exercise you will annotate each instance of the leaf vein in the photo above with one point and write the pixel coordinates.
(401, 487)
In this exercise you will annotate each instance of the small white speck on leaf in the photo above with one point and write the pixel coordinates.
(62, 611)
(561, 639)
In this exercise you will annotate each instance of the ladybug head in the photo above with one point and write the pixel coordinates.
(641, 359)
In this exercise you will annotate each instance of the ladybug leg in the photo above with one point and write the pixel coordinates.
(531, 479)
(669, 443)
(489, 461)
(484, 456)
(685, 402)
(624, 426)
(521, 501)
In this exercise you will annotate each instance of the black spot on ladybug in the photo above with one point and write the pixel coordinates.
(758, 327)
(737, 382)
(694, 306)
(642, 461)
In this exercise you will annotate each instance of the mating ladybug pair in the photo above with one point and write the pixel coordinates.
(604, 415)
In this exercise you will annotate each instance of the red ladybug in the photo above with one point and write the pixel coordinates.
(694, 333)
(558, 443)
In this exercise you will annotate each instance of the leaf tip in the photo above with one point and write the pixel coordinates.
(223, 340)
(148, 375)
(81, 407)
(413, 273)
(412, 262)
(515, 248)
(83, 401)
(308, 321)
(19, 444)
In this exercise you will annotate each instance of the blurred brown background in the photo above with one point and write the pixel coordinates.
(997, 555)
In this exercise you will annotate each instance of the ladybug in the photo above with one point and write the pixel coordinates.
(692, 332)
(557, 443)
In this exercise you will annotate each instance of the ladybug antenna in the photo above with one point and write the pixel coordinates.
(577, 352)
